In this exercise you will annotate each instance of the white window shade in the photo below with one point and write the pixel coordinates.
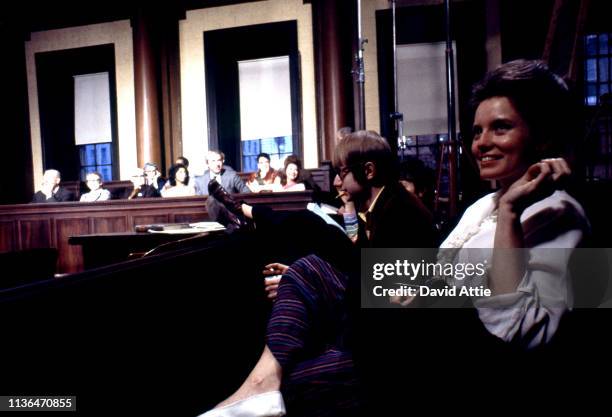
(92, 112)
(265, 98)
(421, 74)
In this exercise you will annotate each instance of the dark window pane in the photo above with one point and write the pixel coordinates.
(250, 149)
(591, 70)
(91, 155)
(591, 98)
(591, 45)
(103, 156)
(603, 89)
(107, 172)
(603, 44)
(88, 155)
(603, 69)
(427, 139)
(96, 157)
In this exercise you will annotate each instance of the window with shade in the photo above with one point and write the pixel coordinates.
(265, 110)
(92, 124)
(422, 99)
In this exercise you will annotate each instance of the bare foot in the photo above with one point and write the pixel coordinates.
(265, 377)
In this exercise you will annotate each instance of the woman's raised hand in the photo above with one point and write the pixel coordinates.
(539, 181)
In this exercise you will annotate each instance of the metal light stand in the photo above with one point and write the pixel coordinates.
(452, 131)
(359, 72)
(396, 115)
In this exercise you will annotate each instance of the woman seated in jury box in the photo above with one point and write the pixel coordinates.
(96, 192)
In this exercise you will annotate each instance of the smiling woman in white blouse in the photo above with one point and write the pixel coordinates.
(522, 128)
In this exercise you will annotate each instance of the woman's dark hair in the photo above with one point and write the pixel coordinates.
(172, 174)
(357, 148)
(265, 155)
(291, 159)
(183, 160)
(271, 175)
(542, 99)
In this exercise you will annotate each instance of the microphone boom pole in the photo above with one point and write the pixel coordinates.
(452, 131)
(359, 72)
(396, 115)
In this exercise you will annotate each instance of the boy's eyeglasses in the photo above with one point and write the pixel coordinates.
(342, 172)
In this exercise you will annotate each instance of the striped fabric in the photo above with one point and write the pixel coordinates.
(351, 225)
(305, 336)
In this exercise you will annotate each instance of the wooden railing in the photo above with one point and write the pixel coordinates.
(27, 226)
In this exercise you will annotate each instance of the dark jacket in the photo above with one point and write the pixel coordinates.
(399, 220)
(145, 191)
(59, 196)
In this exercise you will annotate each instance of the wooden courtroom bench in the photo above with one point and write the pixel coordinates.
(28, 226)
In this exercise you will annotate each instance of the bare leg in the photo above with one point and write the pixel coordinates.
(265, 377)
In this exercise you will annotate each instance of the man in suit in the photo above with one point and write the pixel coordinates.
(51, 192)
(224, 175)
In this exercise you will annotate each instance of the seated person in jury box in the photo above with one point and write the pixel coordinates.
(266, 178)
(141, 190)
(179, 183)
(51, 191)
(224, 175)
(153, 176)
(96, 193)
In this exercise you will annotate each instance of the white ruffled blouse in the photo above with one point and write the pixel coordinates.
(533, 311)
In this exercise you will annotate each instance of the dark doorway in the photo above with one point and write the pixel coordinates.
(55, 71)
(223, 49)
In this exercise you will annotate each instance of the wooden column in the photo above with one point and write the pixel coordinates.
(333, 21)
(171, 84)
(148, 141)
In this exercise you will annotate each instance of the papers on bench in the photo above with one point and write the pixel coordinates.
(208, 226)
(321, 212)
(327, 209)
(187, 228)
